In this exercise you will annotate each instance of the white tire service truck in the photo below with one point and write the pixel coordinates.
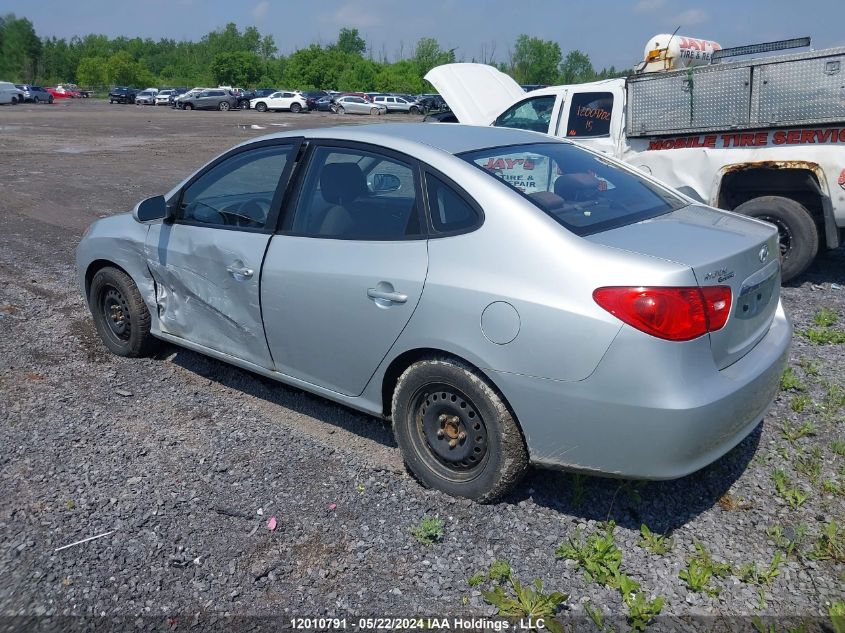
(763, 137)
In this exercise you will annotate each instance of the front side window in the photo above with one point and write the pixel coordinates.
(357, 194)
(533, 114)
(589, 114)
(584, 192)
(237, 192)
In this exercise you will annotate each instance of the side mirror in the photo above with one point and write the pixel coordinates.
(151, 209)
(385, 183)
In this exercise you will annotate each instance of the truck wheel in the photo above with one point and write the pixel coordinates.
(797, 232)
(120, 314)
(454, 431)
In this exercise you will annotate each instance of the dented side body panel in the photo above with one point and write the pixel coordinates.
(201, 296)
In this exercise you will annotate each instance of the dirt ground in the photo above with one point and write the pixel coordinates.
(185, 458)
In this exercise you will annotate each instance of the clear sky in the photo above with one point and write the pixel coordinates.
(610, 31)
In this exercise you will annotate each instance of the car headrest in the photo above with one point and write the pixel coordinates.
(342, 182)
(573, 187)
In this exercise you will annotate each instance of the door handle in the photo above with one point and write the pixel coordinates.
(395, 297)
(236, 271)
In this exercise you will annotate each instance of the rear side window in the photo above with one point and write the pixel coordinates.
(584, 192)
(449, 211)
(589, 114)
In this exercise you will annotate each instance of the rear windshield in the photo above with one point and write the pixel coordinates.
(583, 192)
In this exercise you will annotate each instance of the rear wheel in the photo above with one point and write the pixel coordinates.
(414, 110)
(455, 432)
(120, 314)
(295, 108)
(224, 106)
(36, 100)
(261, 107)
(341, 110)
(188, 106)
(797, 232)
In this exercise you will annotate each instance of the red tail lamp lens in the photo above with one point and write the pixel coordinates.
(671, 313)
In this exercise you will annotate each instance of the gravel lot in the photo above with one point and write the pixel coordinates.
(186, 458)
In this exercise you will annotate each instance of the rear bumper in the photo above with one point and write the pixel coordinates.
(652, 409)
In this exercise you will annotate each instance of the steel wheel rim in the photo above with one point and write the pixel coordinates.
(784, 235)
(116, 315)
(449, 433)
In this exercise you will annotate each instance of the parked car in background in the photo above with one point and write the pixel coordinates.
(212, 99)
(324, 104)
(74, 90)
(146, 97)
(363, 95)
(312, 96)
(122, 94)
(495, 320)
(282, 100)
(178, 102)
(244, 97)
(35, 94)
(177, 93)
(397, 104)
(352, 104)
(9, 93)
(59, 94)
(165, 96)
(432, 102)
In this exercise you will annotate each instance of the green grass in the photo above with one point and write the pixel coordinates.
(701, 569)
(838, 447)
(789, 541)
(830, 545)
(794, 496)
(810, 367)
(825, 317)
(824, 335)
(514, 600)
(794, 433)
(789, 381)
(429, 530)
(598, 556)
(800, 402)
(655, 543)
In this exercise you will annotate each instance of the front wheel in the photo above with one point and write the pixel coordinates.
(120, 314)
(295, 108)
(375, 111)
(188, 106)
(224, 106)
(36, 100)
(261, 107)
(341, 110)
(798, 235)
(414, 110)
(455, 432)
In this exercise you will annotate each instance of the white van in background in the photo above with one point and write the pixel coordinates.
(9, 93)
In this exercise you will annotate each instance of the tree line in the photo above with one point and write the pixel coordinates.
(246, 58)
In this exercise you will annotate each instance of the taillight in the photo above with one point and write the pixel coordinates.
(671, 313)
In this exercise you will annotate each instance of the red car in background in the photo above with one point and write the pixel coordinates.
(57, 94)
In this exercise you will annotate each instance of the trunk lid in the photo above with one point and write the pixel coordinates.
(476, 93)
(722, 249)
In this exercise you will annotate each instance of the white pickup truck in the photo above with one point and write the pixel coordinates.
(764, 137)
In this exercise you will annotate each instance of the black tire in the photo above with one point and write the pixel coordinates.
(414, 110)
(340, 110)
(466, 443)
(374, 111)
(224, 106)
(50, 100)
(295, 108)
(797, 231)
(120, 314)
(261, 107)
(188, 106)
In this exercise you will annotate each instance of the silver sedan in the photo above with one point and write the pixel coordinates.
(502, 297)
(351, 104)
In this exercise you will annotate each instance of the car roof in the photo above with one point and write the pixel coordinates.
(452, 138)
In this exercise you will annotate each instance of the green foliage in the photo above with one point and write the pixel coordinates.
(789, 381)
(810, 465)
(655, 543)
(810, 367)
(92, 71)
(800, 402)
(535, 61)
(793, 496)
(477, 579)
(429, 530)
(499, 570)
(348, 41)
(577, 68)
(824, 335)
(793, 433)
(20, 49)
(825, 317)
(749, 573)
(701, 569)
(579, 489)
(236, 69)
(836, 613)
(788, 541)
(598, 556)
(838, 447)
(830, 544)
(641, 610)
(513, 599)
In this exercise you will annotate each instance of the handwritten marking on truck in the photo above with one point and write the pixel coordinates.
(752, 139)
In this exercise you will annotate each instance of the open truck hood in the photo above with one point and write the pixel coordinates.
(476, 93)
